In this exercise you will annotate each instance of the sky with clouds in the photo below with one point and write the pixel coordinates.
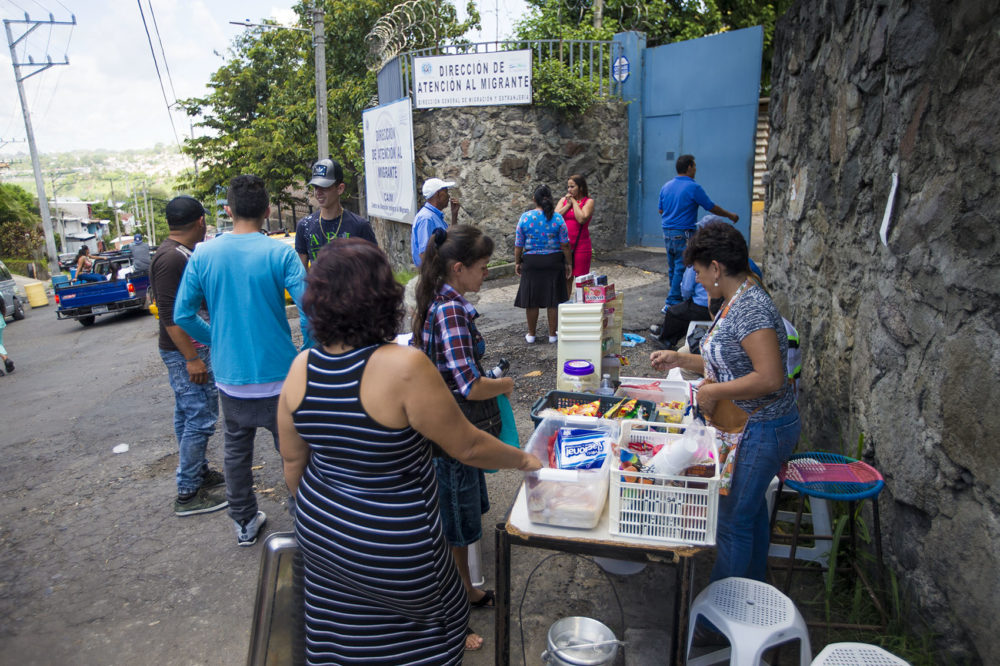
(109, 95)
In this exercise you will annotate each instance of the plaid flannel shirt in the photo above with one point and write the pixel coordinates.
(453, 342)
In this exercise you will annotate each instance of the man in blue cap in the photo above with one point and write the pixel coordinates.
(140, 254)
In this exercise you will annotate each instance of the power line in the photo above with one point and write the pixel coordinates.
(152, 52)
(163, 54)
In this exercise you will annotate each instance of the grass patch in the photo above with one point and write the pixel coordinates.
(403, 276)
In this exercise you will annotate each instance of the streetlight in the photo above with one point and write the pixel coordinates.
(319, 51)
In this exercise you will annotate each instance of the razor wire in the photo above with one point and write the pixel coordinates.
(412, 22)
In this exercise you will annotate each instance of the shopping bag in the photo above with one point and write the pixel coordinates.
(508, 427)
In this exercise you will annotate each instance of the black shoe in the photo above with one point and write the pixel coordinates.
(656, 329)
(212, 479)
(203, 501)
(657, 342)
(9, 364)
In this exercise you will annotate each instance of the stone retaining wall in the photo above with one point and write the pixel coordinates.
(499, 155)
(900, 343)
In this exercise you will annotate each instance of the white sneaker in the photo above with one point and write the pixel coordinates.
(553, 338)
(247, 531)
(530, 339)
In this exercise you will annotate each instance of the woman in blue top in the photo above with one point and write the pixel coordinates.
(543, 260)
(743, 357)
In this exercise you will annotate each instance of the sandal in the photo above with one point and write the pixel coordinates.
(489, 600)
(471, 635)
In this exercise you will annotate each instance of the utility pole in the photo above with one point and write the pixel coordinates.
(43, 204)
(319, 53)
(114, 207)
(319, 49)
(598, 14)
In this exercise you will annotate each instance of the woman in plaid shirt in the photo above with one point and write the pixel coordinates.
(444, 327)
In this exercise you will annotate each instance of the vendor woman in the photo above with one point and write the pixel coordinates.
(743, 360)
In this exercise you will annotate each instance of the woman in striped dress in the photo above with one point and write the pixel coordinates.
(354, 416)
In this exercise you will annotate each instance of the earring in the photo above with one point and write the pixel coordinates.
(716, 284)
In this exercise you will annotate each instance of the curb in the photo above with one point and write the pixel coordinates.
(500, 271)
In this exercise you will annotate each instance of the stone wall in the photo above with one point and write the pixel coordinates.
(901, 343)
(499, 155)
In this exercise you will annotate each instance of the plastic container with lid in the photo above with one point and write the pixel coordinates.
(578, 376)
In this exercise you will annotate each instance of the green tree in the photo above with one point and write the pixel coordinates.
(663, 21)
(20, 224)
(260, 116)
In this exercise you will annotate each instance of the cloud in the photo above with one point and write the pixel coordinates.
(109, 95)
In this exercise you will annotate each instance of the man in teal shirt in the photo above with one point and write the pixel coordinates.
(242, 277)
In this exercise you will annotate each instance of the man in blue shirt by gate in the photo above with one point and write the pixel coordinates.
(431, 215)
(679, 201)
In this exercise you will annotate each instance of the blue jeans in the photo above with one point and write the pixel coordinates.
(744, 531)
(463, 500)
(242, 417)
(676, 243)
(196, 411)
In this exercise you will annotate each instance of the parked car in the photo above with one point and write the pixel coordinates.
(10, 302)
(67, 260)
(84, 301)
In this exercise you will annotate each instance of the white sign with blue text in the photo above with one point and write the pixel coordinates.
(388, 135)
(472, 79)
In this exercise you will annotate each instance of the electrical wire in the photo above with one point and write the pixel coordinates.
(152, 52)
(163, 54)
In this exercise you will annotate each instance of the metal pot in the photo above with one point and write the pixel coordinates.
(580, 641)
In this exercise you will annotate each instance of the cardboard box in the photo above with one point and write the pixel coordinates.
(598, 293)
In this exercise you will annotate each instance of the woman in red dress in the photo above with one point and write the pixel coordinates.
(577, 208)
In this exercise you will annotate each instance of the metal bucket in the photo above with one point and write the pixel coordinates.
(580, 641)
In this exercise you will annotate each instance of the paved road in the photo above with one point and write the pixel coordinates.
(96, 569)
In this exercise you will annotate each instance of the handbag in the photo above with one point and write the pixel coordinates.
(729, 421)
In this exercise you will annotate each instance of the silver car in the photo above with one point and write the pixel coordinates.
(10, 302)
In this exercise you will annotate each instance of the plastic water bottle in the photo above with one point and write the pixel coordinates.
(500, 370)
(607, 387)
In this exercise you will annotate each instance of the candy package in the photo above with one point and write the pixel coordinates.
(580, 448)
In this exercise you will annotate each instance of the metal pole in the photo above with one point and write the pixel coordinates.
(114, 207)
(43, 204)
(319, 46)
(149, 212)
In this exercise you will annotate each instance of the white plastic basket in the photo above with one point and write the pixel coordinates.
(661, 507)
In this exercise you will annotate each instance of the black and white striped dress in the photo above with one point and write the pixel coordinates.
(380, 583)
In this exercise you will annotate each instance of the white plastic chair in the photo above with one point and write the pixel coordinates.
(754, 617)
(856, 654)
(819, 518)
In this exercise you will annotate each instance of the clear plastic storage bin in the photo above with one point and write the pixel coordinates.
(567, 497)
(662, 507)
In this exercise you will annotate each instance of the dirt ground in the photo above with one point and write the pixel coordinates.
(96, 569)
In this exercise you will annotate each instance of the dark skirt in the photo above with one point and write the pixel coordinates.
(543, 281)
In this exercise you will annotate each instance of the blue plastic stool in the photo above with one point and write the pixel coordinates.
(836, 478)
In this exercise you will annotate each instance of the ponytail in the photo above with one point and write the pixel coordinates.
(543, 198)
(462, 243)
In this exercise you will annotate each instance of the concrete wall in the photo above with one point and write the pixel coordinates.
(901, 343)
(499, 155)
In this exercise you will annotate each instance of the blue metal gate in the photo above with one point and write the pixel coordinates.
(698, 97)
